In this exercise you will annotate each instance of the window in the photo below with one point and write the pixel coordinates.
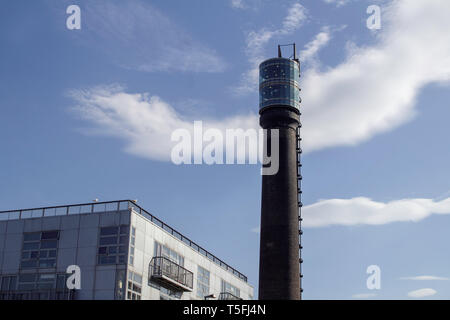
(229, 288)
(39, 249)
(132, 245)
(134, 286)
(167, 294)
(113, 243)
(44, 281)
(202, 282)
(163, 251)
(120, 284)
(8, 283)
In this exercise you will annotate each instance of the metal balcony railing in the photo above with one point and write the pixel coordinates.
(170, 273)
(114, 206)
(228, 296)
(38, 295)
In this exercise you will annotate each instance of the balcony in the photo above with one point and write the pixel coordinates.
(228, 296)
(170, 274)
(38, 295)
(114, 206)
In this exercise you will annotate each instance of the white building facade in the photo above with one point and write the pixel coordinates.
(122, 251)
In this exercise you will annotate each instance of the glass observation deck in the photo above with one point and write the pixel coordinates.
(113, 206)
(279, 83)
(166, 271)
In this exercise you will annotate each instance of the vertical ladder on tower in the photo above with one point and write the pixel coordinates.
(300, 204)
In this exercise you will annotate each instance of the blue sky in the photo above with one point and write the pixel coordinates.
(88, 114)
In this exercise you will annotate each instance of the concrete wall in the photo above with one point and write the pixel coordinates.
(147, 233)
(78, 245)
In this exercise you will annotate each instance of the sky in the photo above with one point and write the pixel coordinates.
(88, 113)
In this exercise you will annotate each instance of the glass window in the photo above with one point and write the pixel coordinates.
(32, 236)
(31, 245)
(109, 231)
(8, 283)
(132, 244)
(163, 251)
(112, 247)
(37, 248)
(47, 235)
(134, 286)
(202, 282)
(51, 244)
(108, 240)
(229, 288)
(42, 282)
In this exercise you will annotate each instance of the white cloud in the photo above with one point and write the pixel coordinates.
(143, 121)
(295, 18)
(364, 295)
(257, 40)
(136, 35)
(313, 47)
(364, 211)
(237, 4)
(375, 89)
(372, 91)
(425, 278)
(338, 3)
(421, 293)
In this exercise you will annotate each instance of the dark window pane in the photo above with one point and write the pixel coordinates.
(112, 249)
(124, 229)
(26, 286)
(32, 236)
(34, 254)
(29, 264)
(122, 249)
(46, 235)
(61, 282)
(27, 277)
(52, 254)
(12, 283)
(102, 250)
(107, 259)
(136, 288)
(50, 244)
(45, 285)
(47, 277)
(109, 231)
(108, 240)
(123, 239)
(47, 263)
(5, 284)
(31, 245)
